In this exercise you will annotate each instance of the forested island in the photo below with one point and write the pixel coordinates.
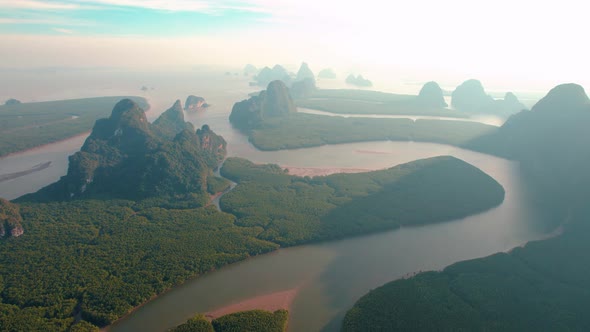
(272, 123)
(253, 320)
(542, 286)
(120, 226)
(28, 125)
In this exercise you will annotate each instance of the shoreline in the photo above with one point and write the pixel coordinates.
(268, 302)
(323, 171)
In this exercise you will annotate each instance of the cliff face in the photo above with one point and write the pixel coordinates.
(274, 102)
(127, 157)
(10, 220)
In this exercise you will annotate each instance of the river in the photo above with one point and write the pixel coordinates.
(329, 276)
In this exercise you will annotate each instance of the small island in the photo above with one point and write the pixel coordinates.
(12, 101)
(359, 81)
(252, 320)
(327, 73)
(194, 103)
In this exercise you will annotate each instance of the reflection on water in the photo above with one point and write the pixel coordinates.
(481, 118)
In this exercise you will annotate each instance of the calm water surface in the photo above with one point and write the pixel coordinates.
(330, 276)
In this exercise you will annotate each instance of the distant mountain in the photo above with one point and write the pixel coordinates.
(274, 102)
(471, 97)
(127, 157)
(327, 74)
(10, 220)
(194, 103)
(12, 101)
(304, 73)
(546, 140)
(431, 95)
(267, 75)
(250, 70)
(359, 81)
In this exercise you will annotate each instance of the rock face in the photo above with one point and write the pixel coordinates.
(194, 103)
(358, 81)
(431, 95)
(267, 75)
(305, 73)
(127, 157)
(12, 102)
(327, 74)
(274, 102)
(10, 220)
(470, 96)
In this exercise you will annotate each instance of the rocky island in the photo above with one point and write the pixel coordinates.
(194, 103)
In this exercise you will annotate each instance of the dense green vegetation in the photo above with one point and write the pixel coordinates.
(27, 125)
(290, 210)
(252, 321)
(246, 321)
(540, 287)
(198, 323)
(306, 130)
(127, 157)
(271, 122)
(102, 258)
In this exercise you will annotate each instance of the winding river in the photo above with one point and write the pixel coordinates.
(329, 277)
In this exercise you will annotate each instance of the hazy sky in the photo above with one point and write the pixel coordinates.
(530, 40)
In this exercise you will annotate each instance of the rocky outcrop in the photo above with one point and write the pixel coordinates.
(327, 74)
(12, 101)
(470, 96)
(171, 122)
(305, 73)
(274, 102)
(127, 157)
(359, 81)
(194, 103)
(214, 146)
(431, 95)
(10, 220)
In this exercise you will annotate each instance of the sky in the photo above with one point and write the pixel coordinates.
(517, 39)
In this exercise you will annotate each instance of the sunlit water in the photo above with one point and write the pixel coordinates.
(330, 276)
